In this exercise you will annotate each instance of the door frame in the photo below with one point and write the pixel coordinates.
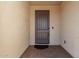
(49, 27)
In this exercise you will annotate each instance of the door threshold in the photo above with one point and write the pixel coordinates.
(41, 44)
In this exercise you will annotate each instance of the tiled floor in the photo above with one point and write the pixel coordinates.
(51, 52)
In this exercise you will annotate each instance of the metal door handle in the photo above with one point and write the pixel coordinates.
(52, 27)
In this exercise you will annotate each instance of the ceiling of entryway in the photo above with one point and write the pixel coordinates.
(40, 3)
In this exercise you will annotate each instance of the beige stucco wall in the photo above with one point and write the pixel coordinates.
(70, 27)
(54, 21)
(14, 28)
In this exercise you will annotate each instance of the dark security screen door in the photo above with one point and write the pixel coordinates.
(42, 27)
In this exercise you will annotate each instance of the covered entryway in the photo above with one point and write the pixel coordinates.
(24, 24)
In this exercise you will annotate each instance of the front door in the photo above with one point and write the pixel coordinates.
(42, 27)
